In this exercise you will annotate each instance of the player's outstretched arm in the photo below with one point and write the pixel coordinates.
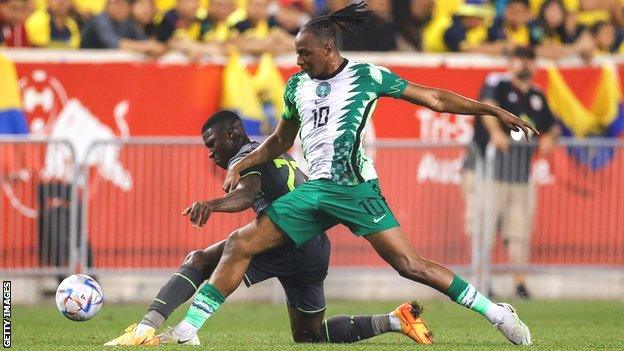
(441, 100)
(276, 144)
(237, 200)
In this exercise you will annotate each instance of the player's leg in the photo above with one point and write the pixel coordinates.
(197, 267)
(517, 230)
(306, 327)
(394, 248)
(364, 210)
(404, 319)
(256, 237)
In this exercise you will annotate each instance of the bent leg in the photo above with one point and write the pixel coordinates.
(306, 327)
(256, 237)
(197, 267)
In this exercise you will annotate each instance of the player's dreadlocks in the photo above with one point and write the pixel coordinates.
(354, 15)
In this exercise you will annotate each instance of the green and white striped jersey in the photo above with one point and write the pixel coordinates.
(333, 113)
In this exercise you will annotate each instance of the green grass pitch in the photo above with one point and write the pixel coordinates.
(555, 325)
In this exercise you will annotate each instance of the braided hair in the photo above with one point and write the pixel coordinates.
(354, 15)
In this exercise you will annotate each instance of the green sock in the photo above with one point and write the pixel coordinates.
(467, 295)
(206, 302)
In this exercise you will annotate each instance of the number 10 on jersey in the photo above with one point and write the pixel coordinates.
(321, 115)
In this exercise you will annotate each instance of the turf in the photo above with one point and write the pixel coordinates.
(556, 325)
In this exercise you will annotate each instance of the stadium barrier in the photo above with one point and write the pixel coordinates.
(38, 207)
(117, 206)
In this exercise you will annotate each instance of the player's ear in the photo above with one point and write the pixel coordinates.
(329, 47)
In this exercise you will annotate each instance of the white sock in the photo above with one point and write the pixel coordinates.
(395, 323)
(495, 313)
(142, 329)
(185, 330)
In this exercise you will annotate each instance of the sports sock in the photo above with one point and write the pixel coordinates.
(206, 302)
(468, 296)
(180, 287)
(152, 319)
(349, 329)
(142, 328)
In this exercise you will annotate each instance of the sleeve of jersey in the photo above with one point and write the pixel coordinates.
(290, 110)
(488, 90)
(389, 83)
(248, 171)
(544, 124)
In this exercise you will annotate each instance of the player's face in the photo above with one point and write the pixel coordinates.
(220, 146)
(312, 55)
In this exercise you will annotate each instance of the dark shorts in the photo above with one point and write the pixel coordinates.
(301, 271)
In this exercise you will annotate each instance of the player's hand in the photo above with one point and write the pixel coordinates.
(516, 124)
(199, 213)
(231, 179)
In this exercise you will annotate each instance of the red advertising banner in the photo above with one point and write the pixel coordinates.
(140, 192)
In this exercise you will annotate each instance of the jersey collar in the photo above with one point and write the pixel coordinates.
(336, 72)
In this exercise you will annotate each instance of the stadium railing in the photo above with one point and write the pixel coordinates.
(38, 207)
(124, 199)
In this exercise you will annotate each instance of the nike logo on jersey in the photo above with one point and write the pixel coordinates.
(318, 101)
(378, 219)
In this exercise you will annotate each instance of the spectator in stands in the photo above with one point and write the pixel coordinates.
(182, 30)
(216, 27)
(593, 11)
(52, 27)
(557, 33)
(181, 23)
(292, 15)
(13, 14)
(605, 38)
(512, 27)
(468, 30)
(411, 19)
(512, 200)
(383, 37)
(143, 14)
(115, 29)
(87, 9)
(260, 32)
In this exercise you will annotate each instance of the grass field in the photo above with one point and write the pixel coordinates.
(555, 325)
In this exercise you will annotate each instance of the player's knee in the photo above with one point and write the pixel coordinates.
(306, 336)
(199, 259)
(237, 246)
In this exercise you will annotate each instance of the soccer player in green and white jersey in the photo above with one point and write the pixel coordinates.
(329, 103)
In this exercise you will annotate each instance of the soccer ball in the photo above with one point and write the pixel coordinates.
(79, 297)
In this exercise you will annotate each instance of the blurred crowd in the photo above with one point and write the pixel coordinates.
(554, 28)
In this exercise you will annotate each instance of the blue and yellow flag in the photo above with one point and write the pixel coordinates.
(603, 118)
(12, 120)
(256, 98)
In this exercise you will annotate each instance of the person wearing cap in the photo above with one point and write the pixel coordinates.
(468, 29)
(513, 194)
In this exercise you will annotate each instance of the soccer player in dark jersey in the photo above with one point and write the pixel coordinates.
(301, 270)
(328, 104)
